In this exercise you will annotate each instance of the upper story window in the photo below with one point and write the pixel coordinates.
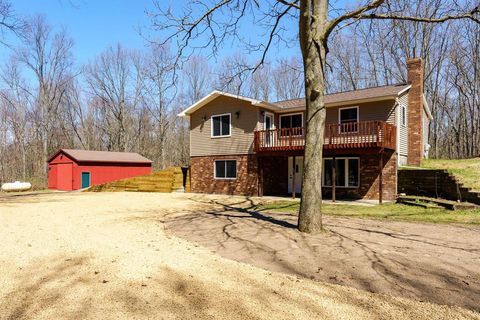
(348, 118)
(291, 121)
(221, 125)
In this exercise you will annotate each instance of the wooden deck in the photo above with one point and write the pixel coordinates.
(355, 135)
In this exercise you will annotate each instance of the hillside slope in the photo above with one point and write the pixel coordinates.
(466, 171)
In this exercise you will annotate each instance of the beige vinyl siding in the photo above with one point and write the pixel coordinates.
(241, 136)
(380, 110)
(403, 130)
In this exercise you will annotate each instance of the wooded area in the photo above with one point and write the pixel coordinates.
(127, 100)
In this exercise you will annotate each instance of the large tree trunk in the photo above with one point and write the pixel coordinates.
(314, 53)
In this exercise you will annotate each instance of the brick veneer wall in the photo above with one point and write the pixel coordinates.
(275, 177)
(415, 112)
(369, 179)
(203, 180)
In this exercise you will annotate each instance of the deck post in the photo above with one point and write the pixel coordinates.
(260, 177)
(293, 178)
(380, 179)
(334, 179)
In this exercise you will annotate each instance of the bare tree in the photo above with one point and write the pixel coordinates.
(288, 79)
(116, 93)
(196, 76)
(218, 22)
(17, 103)
(158, 94)
(48, 57)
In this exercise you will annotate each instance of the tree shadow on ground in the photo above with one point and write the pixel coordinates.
(80, 287)
(401, 259)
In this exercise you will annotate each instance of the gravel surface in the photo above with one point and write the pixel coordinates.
(109, 256)
(439, 263)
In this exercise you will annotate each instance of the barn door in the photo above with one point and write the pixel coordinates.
(85, 180)
(64, 177)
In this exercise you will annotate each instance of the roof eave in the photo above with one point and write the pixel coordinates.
(344, 103)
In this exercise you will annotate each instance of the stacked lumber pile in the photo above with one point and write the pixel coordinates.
(167, 181)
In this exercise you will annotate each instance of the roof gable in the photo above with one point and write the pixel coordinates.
(214, 94)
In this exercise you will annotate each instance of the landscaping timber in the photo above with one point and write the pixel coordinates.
(433, 203)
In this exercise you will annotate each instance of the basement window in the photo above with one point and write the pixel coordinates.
(346, 172)
(225, 169)
(221, 125)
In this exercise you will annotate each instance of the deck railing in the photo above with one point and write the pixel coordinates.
(363, 134)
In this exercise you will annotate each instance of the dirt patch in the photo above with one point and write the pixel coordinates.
(427, 262)
(108, 256)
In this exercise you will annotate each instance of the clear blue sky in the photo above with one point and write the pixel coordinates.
(96, 24)
(93, 24)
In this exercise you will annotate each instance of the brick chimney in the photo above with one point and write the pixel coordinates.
(415, 111)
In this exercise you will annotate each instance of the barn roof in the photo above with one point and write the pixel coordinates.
(102, 156)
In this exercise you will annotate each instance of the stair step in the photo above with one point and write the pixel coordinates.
(421, 204)
(433, 202)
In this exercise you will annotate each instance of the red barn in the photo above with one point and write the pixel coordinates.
(77, 169)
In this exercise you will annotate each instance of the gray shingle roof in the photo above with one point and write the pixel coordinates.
(346, 96)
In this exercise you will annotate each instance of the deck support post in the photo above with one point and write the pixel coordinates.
(293, 177)
(260, 177)
(334, 179)
(380, 179)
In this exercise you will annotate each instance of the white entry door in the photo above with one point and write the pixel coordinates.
(298, 174)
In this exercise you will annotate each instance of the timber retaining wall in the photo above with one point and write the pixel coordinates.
(434, 183)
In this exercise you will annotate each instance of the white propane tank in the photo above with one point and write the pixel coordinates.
(16, 186)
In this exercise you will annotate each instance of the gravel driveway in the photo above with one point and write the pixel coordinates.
(110, 256)
(439, 263)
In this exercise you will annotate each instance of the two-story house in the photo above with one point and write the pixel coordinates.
(244, 146)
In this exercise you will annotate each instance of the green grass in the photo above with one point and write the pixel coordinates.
(467, 171)
(397, 212)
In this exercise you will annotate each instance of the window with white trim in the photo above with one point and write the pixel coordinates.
(221, 125)
(403, 115)
(291, 121)
(225, 169)
(347, 172)
(348, 118)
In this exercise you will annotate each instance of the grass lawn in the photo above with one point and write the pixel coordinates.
(392, 211)
(466, 170)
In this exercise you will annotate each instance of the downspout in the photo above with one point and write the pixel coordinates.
(397, 123)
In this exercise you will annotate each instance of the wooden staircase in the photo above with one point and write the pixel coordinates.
(167, 181)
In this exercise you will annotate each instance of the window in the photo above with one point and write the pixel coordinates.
(404, 116)
(348, 118)
(221, 125)
(346, 172)
(291, 121)
(225, 169)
